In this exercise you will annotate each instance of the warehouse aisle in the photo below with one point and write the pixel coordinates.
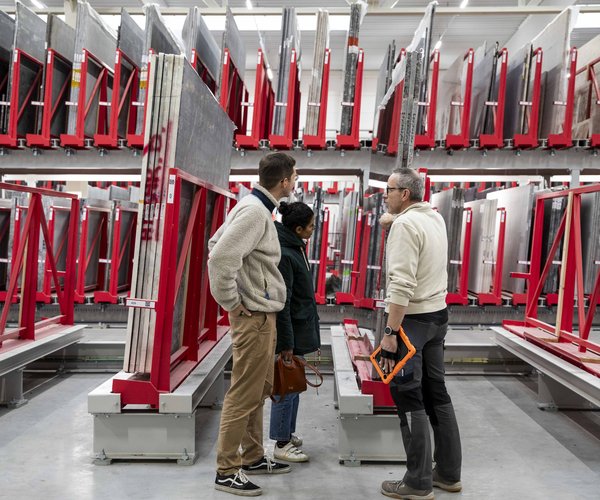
(511, 450)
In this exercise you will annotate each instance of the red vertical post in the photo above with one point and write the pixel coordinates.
(462, 140)
(496, 139)
(29, 285)
(286, 141)
(564, 139)
(352, 141)
(320, 293)
(531, 138)
(427, 140)
(319, 141)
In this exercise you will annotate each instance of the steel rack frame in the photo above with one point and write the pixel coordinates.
(137, 140)
(461, 296)
(494, 297)
(262, 115)
(531, 138)
(462, 140)
(352, 140)
(496, 139)
(319, 141)
(21, 99)
(50, 105)
(233, 93)
(560, 339)
(120, 255)
(82, 66)
(126, 101)
(204, 326)
(292, 115)
(564, 139)
(427, 140)
(348, 298)
(26, 259)
(99, 240)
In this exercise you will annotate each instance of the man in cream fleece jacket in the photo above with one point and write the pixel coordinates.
(417, 277)
(246, 282)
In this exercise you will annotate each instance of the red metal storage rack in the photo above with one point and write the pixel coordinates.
(318, 141)
(286, 141)
(496, 140)
(560, 339)
(462, 140)
(531, 139)
(21, 99)
(352, 141)
(565, 138)
(495, 296)
(202, 70)
(26, 258)
(233, 93)
(87, 248)
(49, 105)
(348, 298)
(262, 112)
(461, 296)
(202, 323)
(594, 97)
(121, 102)
(81, 70)
(320, 295)
(427, 140)
(120, 254)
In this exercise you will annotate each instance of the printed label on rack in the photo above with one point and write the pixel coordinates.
(380, 304)
(171, 191)
(143, 304)
(49, 57)
(345, 103)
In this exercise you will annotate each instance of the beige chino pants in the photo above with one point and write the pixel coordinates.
(241, 430)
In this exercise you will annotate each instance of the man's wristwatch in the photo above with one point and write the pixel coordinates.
(390, 331)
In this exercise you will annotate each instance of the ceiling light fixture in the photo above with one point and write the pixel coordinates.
(249, 4)
(464, 3)
(39, 5)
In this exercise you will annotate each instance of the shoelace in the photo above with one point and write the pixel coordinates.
(241, 476)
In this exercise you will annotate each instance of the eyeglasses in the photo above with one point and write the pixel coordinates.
(388, 189)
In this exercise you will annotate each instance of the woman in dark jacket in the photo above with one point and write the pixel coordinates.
(297, 324)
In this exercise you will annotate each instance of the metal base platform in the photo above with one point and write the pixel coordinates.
(14, 360)
(363, 435)
(135, 433)
(561, 385)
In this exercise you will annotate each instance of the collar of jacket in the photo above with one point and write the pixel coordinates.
(420, 205)
(287, 237)
(267, 198)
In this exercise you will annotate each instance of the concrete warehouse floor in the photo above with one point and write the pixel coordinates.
(511, 450)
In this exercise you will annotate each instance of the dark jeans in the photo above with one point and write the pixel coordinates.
(284, 412)
(420, 394)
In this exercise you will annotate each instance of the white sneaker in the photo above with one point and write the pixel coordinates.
(296, 441)
(289, 453)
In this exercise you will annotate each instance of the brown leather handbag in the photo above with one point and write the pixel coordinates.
(291, 377)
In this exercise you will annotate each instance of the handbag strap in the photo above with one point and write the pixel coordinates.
(314, 369)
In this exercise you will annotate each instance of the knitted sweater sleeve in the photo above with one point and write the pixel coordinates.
(229, 247)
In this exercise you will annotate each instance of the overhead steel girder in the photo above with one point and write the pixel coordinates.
(376, 11)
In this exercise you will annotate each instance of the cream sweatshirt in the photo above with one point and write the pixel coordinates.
(417, 256)
(243, 259)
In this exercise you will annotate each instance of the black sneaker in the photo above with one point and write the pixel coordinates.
(266, 466)
(237, 484)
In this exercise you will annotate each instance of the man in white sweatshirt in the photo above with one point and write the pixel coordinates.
(417, 277)
(246, 282)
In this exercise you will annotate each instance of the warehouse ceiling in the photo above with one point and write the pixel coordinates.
(458, 29)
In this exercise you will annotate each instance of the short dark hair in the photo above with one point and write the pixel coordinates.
(273, 168)
(295, 214)
(410, 179)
